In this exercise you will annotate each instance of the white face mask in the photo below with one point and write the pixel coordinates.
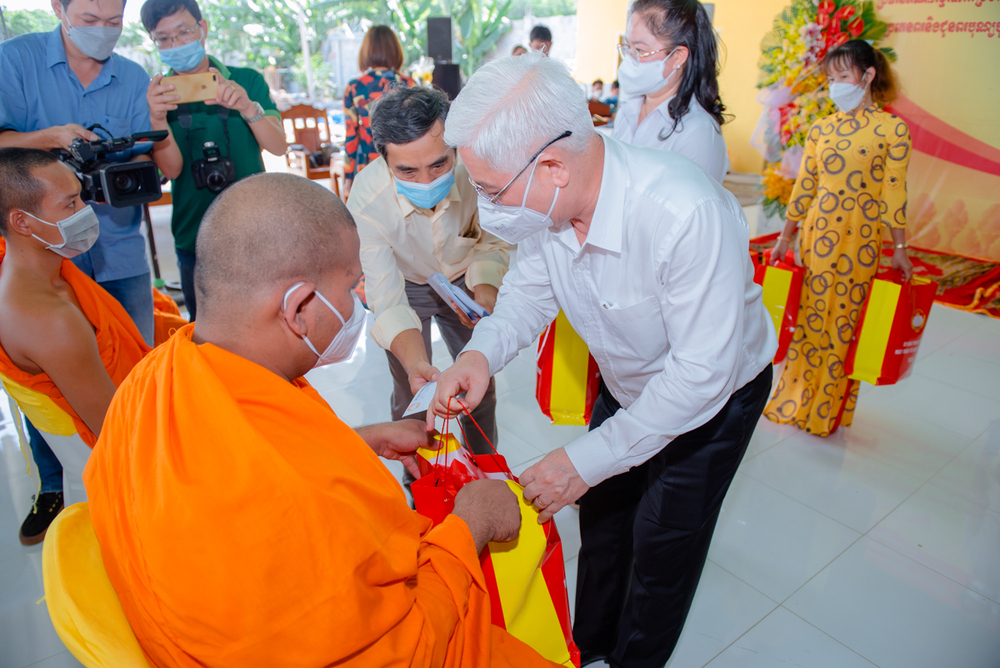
(79, 232)
(637, 78)
(847, 96)
(512, 223)
(346, 340)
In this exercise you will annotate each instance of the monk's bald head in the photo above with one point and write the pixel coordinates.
(265, 231)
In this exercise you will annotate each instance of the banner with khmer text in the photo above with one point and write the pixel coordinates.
(949, 70)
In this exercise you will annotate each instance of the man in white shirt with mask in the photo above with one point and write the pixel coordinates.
(649, 260)
(416, 214)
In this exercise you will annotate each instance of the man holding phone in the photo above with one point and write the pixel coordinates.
(218, 137)
(53, 87)
(417, 215)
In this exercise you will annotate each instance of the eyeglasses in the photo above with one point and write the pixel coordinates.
(626, 51)
(492, 199)
(183, 37)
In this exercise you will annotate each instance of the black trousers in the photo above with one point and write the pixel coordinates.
(645, 534)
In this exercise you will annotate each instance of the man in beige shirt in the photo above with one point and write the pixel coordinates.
(416, 212)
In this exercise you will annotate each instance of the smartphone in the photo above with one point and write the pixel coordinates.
(194, 87)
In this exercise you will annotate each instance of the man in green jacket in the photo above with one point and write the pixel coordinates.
(233, 127)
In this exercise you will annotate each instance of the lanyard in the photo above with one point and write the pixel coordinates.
(185, 121)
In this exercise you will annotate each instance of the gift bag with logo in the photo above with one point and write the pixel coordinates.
(526, 577)
(568, 379)
(890, 328)
(782, 285)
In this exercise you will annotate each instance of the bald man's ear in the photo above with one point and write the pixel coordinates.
(293, 306)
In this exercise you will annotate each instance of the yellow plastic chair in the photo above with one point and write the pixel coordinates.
(83, 605)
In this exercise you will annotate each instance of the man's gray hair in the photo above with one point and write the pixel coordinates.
(514, 105)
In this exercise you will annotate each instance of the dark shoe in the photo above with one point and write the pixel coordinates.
(36, 524)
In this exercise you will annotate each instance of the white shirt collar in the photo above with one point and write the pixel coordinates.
(606, 226)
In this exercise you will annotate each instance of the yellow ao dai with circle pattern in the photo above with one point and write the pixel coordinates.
(852, 181)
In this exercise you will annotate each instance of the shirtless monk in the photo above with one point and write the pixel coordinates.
(241, 522)
(61, 334)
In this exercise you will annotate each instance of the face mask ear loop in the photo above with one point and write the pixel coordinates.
(45, 222)
(668, 58)
(284, 302)
(531, 177)
(284, 307)
(555, 199)
(336, 312)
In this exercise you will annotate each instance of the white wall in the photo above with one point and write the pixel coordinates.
(563, 38)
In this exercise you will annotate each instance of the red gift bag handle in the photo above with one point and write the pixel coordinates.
(465, 438)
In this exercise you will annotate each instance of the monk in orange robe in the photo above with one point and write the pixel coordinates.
(61, 334)
(241, 522)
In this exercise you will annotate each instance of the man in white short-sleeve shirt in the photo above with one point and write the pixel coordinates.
(648, 257)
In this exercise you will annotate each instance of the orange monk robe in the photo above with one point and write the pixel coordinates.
(167, 318)
(118, 340)
(243, 524)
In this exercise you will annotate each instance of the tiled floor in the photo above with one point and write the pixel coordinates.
(879, 546)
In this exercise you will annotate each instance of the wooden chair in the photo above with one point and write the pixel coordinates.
(306, 129)
(599, 112)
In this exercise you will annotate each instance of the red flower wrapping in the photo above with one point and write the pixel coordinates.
(844, 13)
(784, 113)
(856, 27)
(826, 7)
(837, 40)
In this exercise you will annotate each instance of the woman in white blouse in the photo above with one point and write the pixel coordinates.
(669, 83)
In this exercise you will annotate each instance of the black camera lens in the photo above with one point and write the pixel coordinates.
(125, 183)
(216, 181)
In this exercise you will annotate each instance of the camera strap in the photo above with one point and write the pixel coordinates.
(185, 121)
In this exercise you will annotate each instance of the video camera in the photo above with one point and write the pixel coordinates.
(119, 184)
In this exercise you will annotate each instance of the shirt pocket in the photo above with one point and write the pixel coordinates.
(461, 247)
(636, 329)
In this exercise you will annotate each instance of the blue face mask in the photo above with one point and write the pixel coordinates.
(183, 58)
(427, 195)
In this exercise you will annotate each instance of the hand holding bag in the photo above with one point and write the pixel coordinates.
(526, 577)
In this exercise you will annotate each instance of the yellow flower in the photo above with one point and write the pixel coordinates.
(775, 186)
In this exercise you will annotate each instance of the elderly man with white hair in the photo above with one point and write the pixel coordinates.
(648, 256)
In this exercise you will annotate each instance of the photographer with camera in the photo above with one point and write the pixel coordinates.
(54, 88)
(218, 138)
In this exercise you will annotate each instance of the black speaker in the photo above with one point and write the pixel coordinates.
(448, 77)
(439, 39)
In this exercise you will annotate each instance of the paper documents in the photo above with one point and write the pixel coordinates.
(457, 297)
(422, 399)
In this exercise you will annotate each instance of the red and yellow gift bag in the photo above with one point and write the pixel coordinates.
(568, 379)
(890, 328)
(526, 577)
(782, 285)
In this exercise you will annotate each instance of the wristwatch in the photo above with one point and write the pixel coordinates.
(258, 116)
